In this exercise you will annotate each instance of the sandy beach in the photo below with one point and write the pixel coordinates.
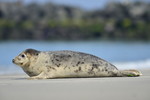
(17, 87)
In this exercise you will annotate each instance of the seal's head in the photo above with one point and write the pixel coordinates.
(24, 58)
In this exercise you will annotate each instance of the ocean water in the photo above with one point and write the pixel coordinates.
(124, 55)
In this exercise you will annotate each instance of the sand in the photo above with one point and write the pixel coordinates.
(17, 87)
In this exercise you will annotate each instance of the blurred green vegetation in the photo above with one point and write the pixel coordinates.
(53, 22)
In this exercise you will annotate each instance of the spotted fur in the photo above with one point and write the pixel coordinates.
(62, 64)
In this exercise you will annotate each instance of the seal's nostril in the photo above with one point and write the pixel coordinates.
(13, 60)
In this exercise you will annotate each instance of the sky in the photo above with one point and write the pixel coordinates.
(85, 4)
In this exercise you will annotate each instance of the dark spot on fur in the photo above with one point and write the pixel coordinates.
(46, 61)
(58, 65)
(91, 71)
(69, 55)
(65, 67)
(56, 62)
(32, 52)
(49, 68)
(100, 62)
(78, 70)
(82, 62)
(79, 63)
(57, 59)
(95, 65)
(61, 57)
(53, 68)
(52, 61)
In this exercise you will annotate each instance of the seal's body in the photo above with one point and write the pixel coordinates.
(61, 64)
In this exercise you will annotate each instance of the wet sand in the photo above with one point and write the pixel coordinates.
(17, 87)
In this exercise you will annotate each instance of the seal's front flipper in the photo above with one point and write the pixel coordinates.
(42, 75)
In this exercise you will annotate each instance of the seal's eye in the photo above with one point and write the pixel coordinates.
(22, 56)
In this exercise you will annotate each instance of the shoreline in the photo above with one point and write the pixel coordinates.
(18, 87)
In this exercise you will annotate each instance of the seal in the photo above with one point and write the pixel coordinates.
(67, 64)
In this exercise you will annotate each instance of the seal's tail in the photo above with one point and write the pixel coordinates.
(129, 73)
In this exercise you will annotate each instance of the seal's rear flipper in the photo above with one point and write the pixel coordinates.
(129, 73)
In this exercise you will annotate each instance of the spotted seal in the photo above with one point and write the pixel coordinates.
(67, 64)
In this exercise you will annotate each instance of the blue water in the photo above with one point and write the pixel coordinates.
(122, 54)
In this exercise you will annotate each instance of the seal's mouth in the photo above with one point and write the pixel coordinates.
(13, 61)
